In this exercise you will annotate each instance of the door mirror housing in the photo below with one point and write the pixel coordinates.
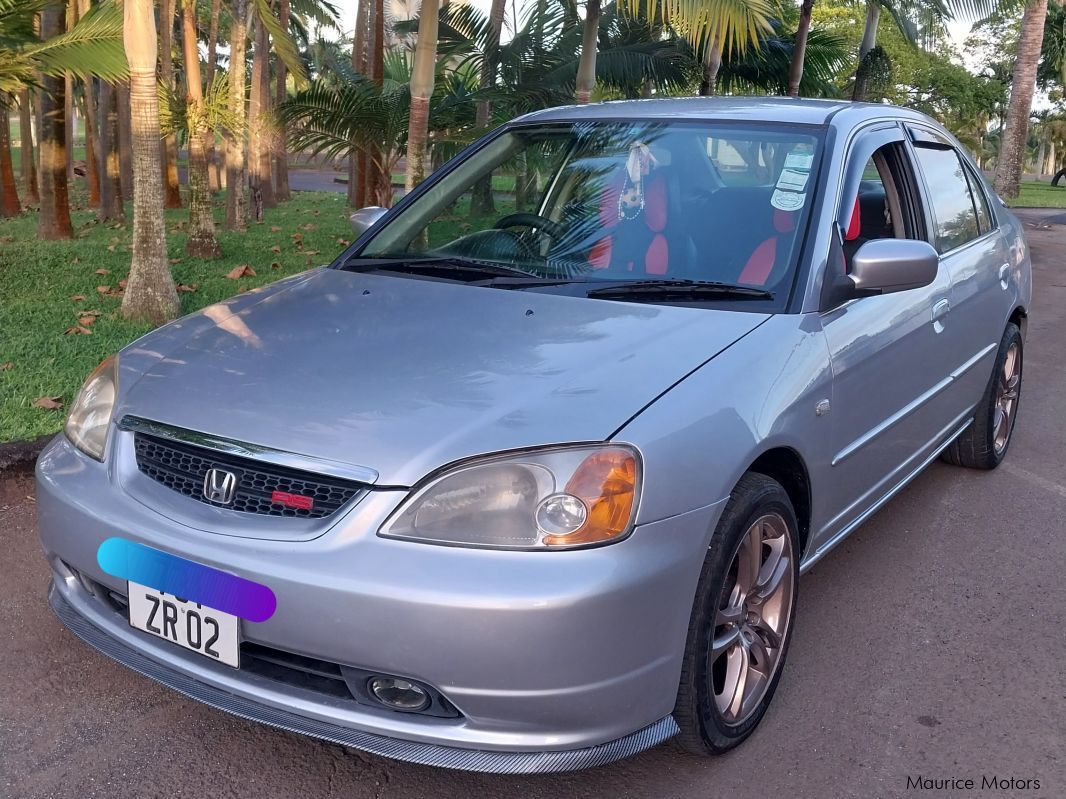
(884, 266)
(363, 219)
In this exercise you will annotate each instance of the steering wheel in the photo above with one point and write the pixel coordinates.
(548, 227)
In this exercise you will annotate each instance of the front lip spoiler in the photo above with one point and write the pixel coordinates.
(410, 751)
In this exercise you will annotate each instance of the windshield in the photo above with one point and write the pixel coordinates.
(617, 201)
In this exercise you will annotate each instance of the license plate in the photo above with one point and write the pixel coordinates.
(203, 630)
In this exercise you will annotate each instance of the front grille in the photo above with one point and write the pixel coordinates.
(182, 467)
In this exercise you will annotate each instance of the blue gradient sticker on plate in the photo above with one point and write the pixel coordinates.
(184, 578)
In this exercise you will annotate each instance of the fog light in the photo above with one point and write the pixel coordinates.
(398, 694)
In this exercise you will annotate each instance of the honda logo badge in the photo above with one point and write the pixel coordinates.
(220, 486)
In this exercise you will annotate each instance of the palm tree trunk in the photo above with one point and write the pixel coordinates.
(28, 165)
(266, 129)
(712, 63)
(236, 201)
(421, 91)
(150, 293)
(92, 172)
(1012, 142)
(171, 186)
(586, 65)
(125, 139)
(481, 201)
(255, 123)
(214, 167)
(9, 196)
(108, 158)
(375, 70)
(54, 218)
(281, 160)
(202, 242)
(357, 161)
(799, 48)
(869, 33)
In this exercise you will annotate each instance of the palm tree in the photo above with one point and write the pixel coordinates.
(53, 222)
(9, 198)
(28, 166)
(150, 291)
(236, 200)
(1015, 132)
(799, 52)
(202, 242)
(171, 187)
(281, 161)
(108, 158)
(586, 68)
(422, 72)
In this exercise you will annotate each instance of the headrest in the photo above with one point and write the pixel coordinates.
(855, 226)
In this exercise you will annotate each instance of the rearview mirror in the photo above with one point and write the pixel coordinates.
(883, 266)
(363, 219)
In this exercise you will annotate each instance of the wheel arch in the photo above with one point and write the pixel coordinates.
(1020, 317)
(786, 466)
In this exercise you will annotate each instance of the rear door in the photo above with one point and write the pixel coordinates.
(890, 360)
(975, 256)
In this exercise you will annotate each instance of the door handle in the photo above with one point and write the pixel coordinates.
(940, 310)
(1004, 276)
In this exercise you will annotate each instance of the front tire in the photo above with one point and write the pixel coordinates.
(741, 620)
(983, 444)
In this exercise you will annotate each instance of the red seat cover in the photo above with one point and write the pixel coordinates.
(654, 218)
(761, 262)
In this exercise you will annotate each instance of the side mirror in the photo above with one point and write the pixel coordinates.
(363, 219)
(883, 266)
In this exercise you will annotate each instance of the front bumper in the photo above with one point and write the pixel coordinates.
(555, 661)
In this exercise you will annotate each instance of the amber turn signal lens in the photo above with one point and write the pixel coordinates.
(606, 482)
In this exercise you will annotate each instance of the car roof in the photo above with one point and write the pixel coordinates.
(748, 109)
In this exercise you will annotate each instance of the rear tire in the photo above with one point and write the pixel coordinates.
(741, 620)
(984, 444)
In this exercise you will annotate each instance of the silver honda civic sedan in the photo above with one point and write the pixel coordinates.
(526, 478)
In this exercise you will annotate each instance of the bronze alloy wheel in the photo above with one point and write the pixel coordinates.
(1010, 378)
(754, 611)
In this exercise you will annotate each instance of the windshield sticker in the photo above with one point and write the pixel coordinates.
(787, 200)
(799, 161)
(792, 179)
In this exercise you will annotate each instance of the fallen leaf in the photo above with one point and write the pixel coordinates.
(5, 366)
(7, 239)
(240, 271)
(77, 297)
(110, 247)
(49, 403)
(275, 248)
(275, 229)
(343, 242)
(308, 226)
(77, 330)
(104, 289)
(102, 272)
(175, 260)
(310, 252)
(122, 284)
(297, 236)
(85, 321)
(275, 265)
(192, 287)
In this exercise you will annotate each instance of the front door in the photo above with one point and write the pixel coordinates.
(891, 368)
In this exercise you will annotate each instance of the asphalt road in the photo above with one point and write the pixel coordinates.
(929, 644)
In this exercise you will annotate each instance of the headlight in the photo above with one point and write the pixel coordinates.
(90, 415)
(548, 499)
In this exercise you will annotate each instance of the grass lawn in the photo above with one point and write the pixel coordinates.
(1040, 195)
(41, 281)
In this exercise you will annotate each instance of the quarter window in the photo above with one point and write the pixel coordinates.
(984, 216)
(954, 215)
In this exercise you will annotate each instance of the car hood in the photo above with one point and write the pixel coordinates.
(403, 375)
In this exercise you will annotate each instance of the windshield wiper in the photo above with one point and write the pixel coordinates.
(664, 289)
(467, 266)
